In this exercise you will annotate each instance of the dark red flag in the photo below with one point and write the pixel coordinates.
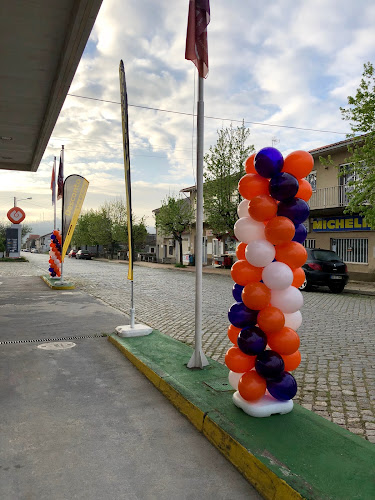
(60, 180)
(196, 38)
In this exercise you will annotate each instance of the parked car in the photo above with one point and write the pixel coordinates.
(34, 250)
(83, 254)
(324, 268)
(72, 253)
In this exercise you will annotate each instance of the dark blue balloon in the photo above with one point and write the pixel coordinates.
(296, 210)
(283, 186)
(269, 364)
(300, 234)
(50, 269)
(282, 388)
(240, 315)
(53, 237)
(237, 292)
(268, 162)
(251, 340)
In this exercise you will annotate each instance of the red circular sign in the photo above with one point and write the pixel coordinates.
(16, 215)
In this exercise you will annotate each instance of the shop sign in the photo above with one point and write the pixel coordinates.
(345, 223)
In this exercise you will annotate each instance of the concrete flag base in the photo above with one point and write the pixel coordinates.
(265, 407)
(138, 330)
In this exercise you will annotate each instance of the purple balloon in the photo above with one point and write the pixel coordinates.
(296, 210)
(240, 315)
(283, 388)
(237, 292)
(300, 234)
(283, 186)
(269, 364)
(251, 340)
(268, 162)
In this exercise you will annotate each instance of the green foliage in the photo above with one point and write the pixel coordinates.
(361, 114)
(224, 166)
(107, 226)
(174, 217)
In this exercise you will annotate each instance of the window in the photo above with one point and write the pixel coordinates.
(351, 250)
(309, 243)
(171, 248)
(311, 178)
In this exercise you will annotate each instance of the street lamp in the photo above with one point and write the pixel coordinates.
(15, 200)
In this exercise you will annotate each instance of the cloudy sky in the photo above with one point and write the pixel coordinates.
(282, 63)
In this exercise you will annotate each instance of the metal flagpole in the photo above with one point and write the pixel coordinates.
(54, 191)
(62, 215)
(198, 359)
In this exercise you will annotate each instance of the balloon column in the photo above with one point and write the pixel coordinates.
(265, 317)
(55, 254)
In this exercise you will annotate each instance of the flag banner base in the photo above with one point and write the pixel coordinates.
(264, 407)
(198, 359)
(138, 330)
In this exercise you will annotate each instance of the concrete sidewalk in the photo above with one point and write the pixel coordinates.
(79, 421)
(356, 287)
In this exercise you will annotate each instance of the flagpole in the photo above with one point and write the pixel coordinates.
(62, 216)
(54, 195)
(198, 359)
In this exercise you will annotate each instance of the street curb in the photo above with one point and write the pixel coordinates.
(269, 485)
(51, 284)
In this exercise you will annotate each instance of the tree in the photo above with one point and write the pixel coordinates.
(361, 164)
(174, 217)
(224, 166)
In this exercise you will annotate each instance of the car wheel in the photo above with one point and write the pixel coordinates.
(305, 287)
(336, 287)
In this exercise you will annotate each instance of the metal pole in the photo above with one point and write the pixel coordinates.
(132, 309)
(54, 201)
(62, 216)
(15, 201)
(198, 359)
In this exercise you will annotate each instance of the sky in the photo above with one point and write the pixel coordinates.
(282, 66)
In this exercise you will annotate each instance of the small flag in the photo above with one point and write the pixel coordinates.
(60, 179)
(196, 38)
(53, 182)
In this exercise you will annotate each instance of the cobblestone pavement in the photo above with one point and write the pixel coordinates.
(336, 378)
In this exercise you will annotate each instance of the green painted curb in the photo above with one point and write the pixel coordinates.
(55, 285)
(298, 455)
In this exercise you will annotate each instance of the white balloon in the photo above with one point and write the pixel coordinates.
(233, 379)
(277, 276)
(243, 209)
(293, 320)
(260, 253)
(247, 229)
(288, 300)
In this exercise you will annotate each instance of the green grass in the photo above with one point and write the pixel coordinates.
(16, 259)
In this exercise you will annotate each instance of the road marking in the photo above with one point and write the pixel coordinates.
(56, 346)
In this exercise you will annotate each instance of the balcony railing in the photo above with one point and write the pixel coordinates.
(330, 197)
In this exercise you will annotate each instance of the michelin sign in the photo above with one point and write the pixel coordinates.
(346, 223)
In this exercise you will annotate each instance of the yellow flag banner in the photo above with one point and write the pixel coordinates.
(75, 188)
(125, 138)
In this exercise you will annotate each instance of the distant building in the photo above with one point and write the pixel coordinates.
(31, 241)
(42, 243)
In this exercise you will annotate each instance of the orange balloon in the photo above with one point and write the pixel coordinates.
(262, 207)
(243, 273)
(252, 185)
(240, 251)
(256, 296)
(299, 164)
(291, 361)
(271, 319)
(298, 277)
(305, 190)
(252, 386)
(279, 230)
(249, 165)
(292, 253)
(285, 341)
(239, 362)
(233, 332)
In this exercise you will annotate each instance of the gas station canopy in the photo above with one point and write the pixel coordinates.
(42, 42)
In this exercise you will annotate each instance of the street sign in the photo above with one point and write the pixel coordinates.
(12, 240)
(16, 215)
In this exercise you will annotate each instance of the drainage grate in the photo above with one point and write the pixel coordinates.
(28, 341)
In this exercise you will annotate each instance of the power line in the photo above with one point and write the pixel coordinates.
(211, 117)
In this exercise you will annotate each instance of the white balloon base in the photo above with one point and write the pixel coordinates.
(265, 407)
(138, 330)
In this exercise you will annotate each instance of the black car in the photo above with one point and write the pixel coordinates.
(83, 254)
(324, 268)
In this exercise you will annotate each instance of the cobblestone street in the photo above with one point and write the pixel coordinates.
(336, 378)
